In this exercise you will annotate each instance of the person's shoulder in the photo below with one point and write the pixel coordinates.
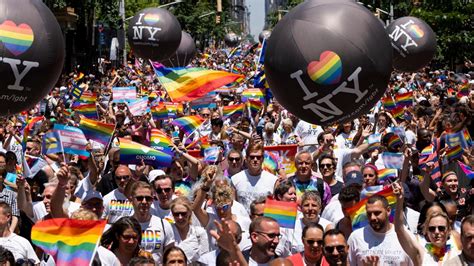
(358, 233)
(269, 175)
(19, 239)
(107, 257)
(239, 175)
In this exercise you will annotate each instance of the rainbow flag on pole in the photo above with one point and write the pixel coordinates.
(388, 103)
(397, 111)
(230, 110)
(467, 170)
(454, 153)
(358, 212)
(133, 153)
(254, 107)
(253, 94)
(87, 110)
(160, 141)
(187, 84)
(88, 97)
(387, 174)
(405, 99)
(282, 211)
(98, 131)
(188, 124)
(68, 241)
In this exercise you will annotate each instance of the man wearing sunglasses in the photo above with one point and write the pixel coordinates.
(164, 188)
(116, 204)
(235, 162)
(253, 182)
(335, 248)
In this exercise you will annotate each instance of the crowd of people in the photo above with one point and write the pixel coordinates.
(197, 212)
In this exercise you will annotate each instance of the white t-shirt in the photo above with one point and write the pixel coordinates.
(209, 259)
(196, 243)
(155, 238)
(39, 210)
(106, 257)
(116, 205)
(250, 187)
(366, 242)
(308, 133)
(343, 156)
(333, 211)
(20, 247)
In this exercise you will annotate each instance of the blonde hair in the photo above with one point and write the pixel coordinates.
(183, 201)
(83, 214)
(222, 194)
(434, 215)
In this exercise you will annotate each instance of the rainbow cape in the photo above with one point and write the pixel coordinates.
(387, 174)
(187, 84)
(236, 109)
(282, 211)
(133, 153)
(98, 131)
(358, 212)
(68, 241)
(188, 124)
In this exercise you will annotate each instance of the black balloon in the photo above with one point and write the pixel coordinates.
(231, 39)
(31, 54)
(329, 61)
(154, 33)
(184, 54)
(264, 35)
(414, 43)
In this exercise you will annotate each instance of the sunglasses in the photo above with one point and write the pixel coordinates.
(177, 214)
(124, 177)
(330, 249)
(253, 157)
(441, 228)
(224, 207)
(234, 159)
(166, 190)
(369, 175)
(328, 166)
(128, 237)
(147, 198)
(270, 236)
(311, 242)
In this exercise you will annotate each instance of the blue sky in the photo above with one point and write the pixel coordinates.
(257, 16)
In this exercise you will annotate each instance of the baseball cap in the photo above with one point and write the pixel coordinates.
(91, 194)
(154, 174)
(353, 177)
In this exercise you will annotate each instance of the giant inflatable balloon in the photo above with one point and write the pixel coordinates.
(184, 54)
(154, 33)
(231, 39)
(264, 35)
(328, 61)
(414, 43)
(31, 54)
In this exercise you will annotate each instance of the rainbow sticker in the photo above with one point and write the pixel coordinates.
(416, 31)
(17, 39)
(326, 71)
(151, 19)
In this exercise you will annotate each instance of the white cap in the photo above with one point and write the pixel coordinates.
(91, 194)
(154, 174)
(402, 91)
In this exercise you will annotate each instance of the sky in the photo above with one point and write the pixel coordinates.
(257, 16)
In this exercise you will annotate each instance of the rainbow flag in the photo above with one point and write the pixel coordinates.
(369, 191)
(68, 241)
(98, 131)
(358, 212)
(188, 124)
(203, 142)
(405, 99)
(270, 161)
(463, 90)
(87, 110)
(454, 153)
(428, 154)
(27, 129)
(133, 153)
(187, 84)
(467, 137)
(88, 97)
(282, 211)
(388, 103)
(394, 141)
(467, 170)
(236, 109)
(387, 174)
(254, 94)
(397, 111)
(254, 107)
(160, 141)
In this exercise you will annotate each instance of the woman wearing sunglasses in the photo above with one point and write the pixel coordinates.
(435, 247)
(313, 244)
(191, 239)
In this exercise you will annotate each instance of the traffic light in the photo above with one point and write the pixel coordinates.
(218, 19)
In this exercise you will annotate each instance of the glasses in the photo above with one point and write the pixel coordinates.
(325, 165)
(253, 157)
(330, 249)
(17, 126)
(177, 214)
(441, 228)
(161, 190)
(234, 159)
(257, 214)
(311, 242)
(369, 175)
(270, 236)
(129, 237)
(124, 177)
(205, 115)
(224, 207)
(147, 198)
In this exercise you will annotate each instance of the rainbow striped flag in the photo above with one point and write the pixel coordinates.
(96, 130)
(79, 76)
(88, 97)
(133, 153)
(254, 107)
(388, 103)
(203, 142)
(467, 137)
(27, 129)
(463, 90)
(253, 94)
(282, 211)
(68, 241)
(358, 212)
(270, 161)
(397, 111)
(87, 110)
(405, 99)
(187, 84)
(188, 124)
(454, 153)
(394, 141)
(387, 174)
(467, 170)
(428, 154)
(230, 110)
(160, 141)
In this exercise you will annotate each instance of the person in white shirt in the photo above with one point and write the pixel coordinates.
(164, 188)
(116, 204)
(253, 182)
(378, 238)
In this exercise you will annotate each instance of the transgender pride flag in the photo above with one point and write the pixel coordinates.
(124, 94)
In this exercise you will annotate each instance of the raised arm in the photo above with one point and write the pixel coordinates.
(207, 179)
(57, 200)
(24, 197)
(427, 192)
